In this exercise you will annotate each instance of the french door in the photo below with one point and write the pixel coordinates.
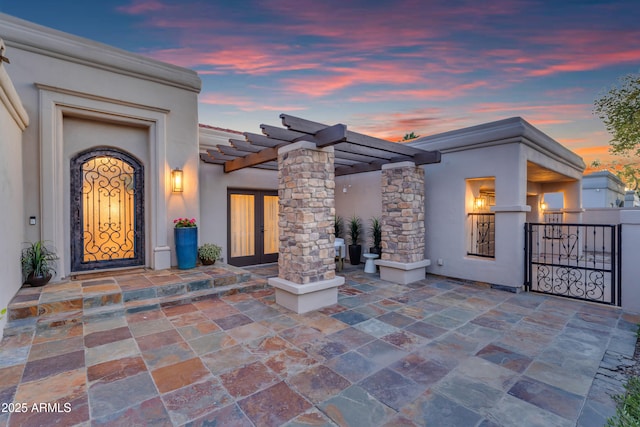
(252, 236)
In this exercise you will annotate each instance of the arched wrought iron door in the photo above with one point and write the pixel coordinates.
(107, 210)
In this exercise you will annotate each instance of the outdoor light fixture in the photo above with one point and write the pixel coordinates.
(479, 203)
(543, 205)
(176, 181)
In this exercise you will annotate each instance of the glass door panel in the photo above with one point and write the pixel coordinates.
(271, 230)
(242, 225)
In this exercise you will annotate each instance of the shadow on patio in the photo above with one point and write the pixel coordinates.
(437, 352)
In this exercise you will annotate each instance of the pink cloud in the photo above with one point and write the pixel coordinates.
(246, 60)
(354, 36)
(139, 7)
(244, 103)
(407, 35)
(393, 126)
(337, 78)
(569, 50)
(445, 90)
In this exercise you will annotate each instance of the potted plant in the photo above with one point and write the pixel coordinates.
(38, 263)
(338, 225)
(209, 253)
(355, 249)
(376, 235)
(185, 234)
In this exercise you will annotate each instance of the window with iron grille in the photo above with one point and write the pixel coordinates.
(482, 240)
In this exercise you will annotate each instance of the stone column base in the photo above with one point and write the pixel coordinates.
(305, 298)
(402, 272)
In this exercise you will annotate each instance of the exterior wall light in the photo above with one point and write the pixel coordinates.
(479, 204)
(177, 183)
(543, 206)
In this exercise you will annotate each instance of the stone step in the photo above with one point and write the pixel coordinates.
(135, 306)
(63, 304)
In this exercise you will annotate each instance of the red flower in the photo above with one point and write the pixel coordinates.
(184, 222)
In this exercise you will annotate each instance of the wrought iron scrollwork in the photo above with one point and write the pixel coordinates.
(108, 196)
(107, 206)
(573, 260)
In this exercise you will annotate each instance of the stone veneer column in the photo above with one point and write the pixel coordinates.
(306, 268)
(402, 259)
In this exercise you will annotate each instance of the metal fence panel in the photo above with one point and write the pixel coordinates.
(573, 260)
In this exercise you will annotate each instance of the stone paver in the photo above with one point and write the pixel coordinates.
(437, 352)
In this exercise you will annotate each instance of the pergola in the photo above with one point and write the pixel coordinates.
(308, 156)
(354, 152)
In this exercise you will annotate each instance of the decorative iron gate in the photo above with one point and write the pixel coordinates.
(107, 210)
(578, 261)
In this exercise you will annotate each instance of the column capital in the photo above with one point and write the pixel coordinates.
(406, 164)
(303, 145)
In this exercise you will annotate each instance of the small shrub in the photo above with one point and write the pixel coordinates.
(627, 406)
(355, 229)
(209, 252)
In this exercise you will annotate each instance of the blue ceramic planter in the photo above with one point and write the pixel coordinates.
(186, 239)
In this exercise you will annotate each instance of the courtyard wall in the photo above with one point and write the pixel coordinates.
(13, 121)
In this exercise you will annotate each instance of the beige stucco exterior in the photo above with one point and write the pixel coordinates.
(520, 161)
(13, 121)
(81, 94)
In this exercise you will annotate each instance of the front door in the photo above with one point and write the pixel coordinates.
(107, 210)
(253, 227)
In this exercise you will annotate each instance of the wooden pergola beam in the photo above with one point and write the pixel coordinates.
(283, 134)
(424, 158)
(244, 146)
(219, 156)
(208, 159)
(427, 158)
(296, 124)
(354, 152)
(328, 136)
(263, 141)
(359, 168)
(253, 159)
(231, 151)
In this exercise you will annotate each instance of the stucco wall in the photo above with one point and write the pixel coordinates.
(213, 198)
(58, 74)
(502, 150)
(13, 120)
(602, 190)
(447, 205)
(361, 198)
(133, 140)
(630, 247)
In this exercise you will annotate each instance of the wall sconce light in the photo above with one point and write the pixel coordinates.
(543, 205)
(177, 184)
(479, 203)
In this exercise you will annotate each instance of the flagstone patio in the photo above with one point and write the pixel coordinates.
(437, 352)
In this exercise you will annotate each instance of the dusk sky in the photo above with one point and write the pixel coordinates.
(384, 68)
